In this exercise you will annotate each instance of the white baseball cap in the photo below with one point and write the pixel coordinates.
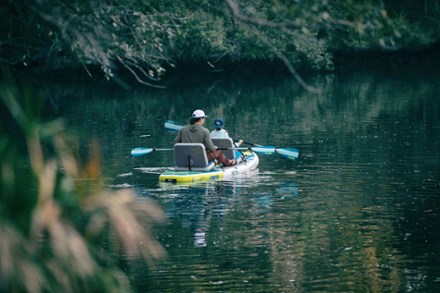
(198, 114)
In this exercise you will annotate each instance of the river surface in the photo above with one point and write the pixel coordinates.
(356, 212)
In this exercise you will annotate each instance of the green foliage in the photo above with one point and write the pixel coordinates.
(413, 35)
(201, 35)
(143, 36)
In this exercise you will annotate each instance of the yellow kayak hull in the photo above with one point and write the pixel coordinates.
(189, 177)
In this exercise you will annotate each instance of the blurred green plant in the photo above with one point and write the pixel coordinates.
(61, 229)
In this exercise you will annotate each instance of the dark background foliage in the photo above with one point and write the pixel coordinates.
(151, 38)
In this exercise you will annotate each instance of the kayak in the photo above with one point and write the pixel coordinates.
(191, 163)
(246, 161)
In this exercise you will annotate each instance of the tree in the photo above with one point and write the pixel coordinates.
(146, 37)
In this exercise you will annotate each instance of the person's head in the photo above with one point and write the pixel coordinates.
(198, 115)
(218, 124)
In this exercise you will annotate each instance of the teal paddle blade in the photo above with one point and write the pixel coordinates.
(289, 153)
(136, 152)
(172, 126)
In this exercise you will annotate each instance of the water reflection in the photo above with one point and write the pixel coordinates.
(198, 207)
(356, 212)
(287, 190)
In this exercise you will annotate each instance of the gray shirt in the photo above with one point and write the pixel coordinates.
(196, 134)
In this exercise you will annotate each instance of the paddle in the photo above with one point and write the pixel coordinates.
(172, 126)
(266, 150)
(289, 153)
(137, 152)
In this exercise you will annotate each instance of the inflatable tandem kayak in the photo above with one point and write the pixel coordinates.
(247, 161)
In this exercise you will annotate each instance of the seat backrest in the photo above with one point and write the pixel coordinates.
(191, 157)
(225, 142)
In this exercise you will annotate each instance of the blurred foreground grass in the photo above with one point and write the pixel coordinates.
(59, 225)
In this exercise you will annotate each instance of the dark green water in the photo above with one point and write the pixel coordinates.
(357, 212)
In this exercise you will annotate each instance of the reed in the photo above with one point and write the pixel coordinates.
(60, 226)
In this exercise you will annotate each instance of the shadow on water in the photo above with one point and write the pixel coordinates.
(356, 212)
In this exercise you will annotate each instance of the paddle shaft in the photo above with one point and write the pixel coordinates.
(250, 143)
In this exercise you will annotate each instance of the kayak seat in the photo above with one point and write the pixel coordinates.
(191, 157)
(225, 142)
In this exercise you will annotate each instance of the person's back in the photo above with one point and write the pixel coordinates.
(196, 133)
(220, 132)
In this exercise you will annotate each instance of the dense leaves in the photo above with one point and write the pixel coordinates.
(144, 36)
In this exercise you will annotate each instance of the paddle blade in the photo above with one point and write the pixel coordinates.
(289, 153)
(136, 152)
(172, 126)
(265, 150)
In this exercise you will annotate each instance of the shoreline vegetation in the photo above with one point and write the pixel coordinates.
(152, 41)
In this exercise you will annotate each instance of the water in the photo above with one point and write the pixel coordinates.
(355, 213)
